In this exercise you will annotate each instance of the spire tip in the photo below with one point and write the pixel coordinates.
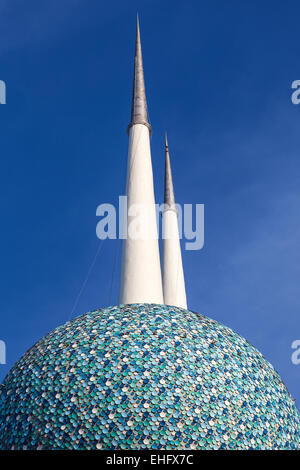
(166, 140)
(169, 198)
(139, 113)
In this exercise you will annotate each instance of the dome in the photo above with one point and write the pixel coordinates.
(145, 376)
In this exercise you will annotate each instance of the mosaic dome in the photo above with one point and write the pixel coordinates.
(145, 376)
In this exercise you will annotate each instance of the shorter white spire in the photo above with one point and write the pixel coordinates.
(173, 276)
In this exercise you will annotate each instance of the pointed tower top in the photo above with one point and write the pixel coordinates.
(169, 190)
(166, 140)
(139, 113)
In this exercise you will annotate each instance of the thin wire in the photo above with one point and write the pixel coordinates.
(117, 249)
(98, 251)
(86, 279)
(178, 259)
(132, 161)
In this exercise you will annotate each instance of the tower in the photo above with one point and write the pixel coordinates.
(173, 277)
(134, 377)
(141, 280)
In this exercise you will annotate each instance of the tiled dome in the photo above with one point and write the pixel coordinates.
(145, 376)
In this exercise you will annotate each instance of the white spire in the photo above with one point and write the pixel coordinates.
(141, 280)
(173, 277)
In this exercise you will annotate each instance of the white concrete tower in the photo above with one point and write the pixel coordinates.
(173, 277)
(141, 280)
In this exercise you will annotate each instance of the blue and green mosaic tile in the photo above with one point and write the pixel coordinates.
(145, 377)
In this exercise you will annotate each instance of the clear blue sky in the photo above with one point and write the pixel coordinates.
(218, 78)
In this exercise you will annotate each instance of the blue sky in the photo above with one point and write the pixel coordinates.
(218, 78)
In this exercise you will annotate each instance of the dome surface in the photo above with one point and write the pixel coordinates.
(145, 376)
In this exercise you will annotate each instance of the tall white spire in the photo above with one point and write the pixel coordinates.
(173, 277)
(141, 280)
